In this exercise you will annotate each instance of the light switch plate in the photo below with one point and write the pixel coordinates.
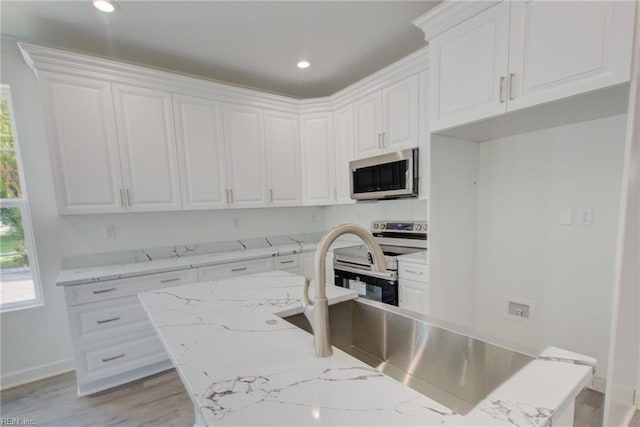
(110, 231)
(566, 216)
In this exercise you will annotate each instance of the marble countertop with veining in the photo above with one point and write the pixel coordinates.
(243, 365)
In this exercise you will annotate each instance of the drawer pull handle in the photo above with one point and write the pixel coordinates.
(113, 319)
(286, 262)
(415, 272)
(109, 359)
(173, 279)
(239, 269)
(102, 291)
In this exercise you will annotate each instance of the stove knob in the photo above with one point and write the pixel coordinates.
(375, 226)
(418, 227)
(382, 226)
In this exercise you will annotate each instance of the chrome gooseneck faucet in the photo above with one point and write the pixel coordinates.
(317, 311)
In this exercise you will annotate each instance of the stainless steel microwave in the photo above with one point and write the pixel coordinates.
(388, 176)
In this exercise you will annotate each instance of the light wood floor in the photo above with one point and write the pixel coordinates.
(160, 400)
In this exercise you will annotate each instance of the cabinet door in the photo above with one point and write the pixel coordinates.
(318, 166)
(200, 152)
(283, 158)
(244, 142)
(400, 105)
(344, 153)
(146, 137)
(368, 125)
(83, 144)
(468, 68)
(412, 298)
(559, 49)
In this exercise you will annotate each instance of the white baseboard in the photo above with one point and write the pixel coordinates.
(25, 376)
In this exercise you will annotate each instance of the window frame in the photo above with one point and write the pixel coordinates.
(27, 226)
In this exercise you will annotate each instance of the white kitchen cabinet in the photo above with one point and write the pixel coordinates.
(148, 154)
(400, 106)
(83, 144)
(283, 158)
(318, 158)
(289, 263)
(113, 340)
(387, 120)
(517, 54)
(201, 154)
(413, 288)
(344, 153)
(368, 125)
(234, 269)
(559, 49)
(245, 148)
(468, 66)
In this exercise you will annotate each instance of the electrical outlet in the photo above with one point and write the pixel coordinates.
(314, 218)
(585, 216)
(518, 309)
(110, 231)
(236, 222)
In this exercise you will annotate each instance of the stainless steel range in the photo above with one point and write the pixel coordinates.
(352, 265)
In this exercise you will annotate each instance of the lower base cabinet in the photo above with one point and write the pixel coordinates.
(113, 340)
(413, 292)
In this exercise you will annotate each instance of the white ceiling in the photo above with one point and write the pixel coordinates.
(248, 43)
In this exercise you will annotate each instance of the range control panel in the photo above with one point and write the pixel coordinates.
(408, 227)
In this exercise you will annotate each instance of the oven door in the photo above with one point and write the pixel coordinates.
(382, 287)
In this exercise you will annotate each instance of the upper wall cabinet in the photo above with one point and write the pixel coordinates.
(318, 158)
(283, 158)
(387, 120)
(83, 144)
(146, 137)
(244, 143)
(201, 153)
(343, 120)
(518, 54)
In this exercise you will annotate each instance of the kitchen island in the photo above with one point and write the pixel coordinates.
(242, 364)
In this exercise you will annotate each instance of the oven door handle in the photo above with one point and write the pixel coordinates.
(387, 275)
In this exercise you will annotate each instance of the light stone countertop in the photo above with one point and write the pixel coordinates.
(121, 271)
(243, 365)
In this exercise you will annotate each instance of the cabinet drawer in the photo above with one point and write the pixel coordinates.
(121, 355)
(410, 271)
(287, 262)
(102, 291)
(234, 269)
(107, 319)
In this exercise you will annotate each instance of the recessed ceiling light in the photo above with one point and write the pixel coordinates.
(104, 6)
(303, 64)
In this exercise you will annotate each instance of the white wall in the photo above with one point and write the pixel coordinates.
(565, 271)
(624, 351)
(365, 213)
(452, 229)
(39, 337)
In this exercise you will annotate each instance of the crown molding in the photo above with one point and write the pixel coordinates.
(448, 14)
(406, 67)
(40, 58)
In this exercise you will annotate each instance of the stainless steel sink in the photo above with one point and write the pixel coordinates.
(451, 368)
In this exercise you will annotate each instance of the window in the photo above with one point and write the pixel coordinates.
(19, 279)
